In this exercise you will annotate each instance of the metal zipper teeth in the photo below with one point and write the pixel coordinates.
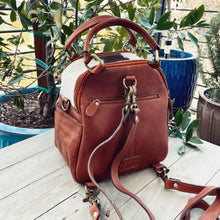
(121, 100)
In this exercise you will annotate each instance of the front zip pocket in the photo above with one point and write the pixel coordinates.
(96, 103)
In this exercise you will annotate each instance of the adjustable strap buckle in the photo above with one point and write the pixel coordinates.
(162, 172)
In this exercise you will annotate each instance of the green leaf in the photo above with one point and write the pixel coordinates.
(171, 116)
(193, 39)
(117, 44)
(202, 24)
(2, 13)
(108, 46)
(62, 38)
(25, 21)
(191, 128)
(182, 149)
(58, 18)
(180, 43)
(177, 134)
(131, 11)
(175, 26)
(192, 145)
(192, 17)
(67, 30)
(178, 117)
(164, 17)
(20, 8)
(19, 102)
(185, 21)
(115, 9)
(152, 16)
(13, 5)
(195, 140)
(55, 5)
(163, 24)
(199, 13)
(181, 35)
(41, 63)
(189, 134)
(203, 33)
(15, 79)
(186, 120)
(13, 16)
(14, 40)
(30, 46)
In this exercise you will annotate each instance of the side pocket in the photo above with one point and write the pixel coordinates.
(68, 134)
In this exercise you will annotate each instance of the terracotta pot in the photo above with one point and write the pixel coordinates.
(209, 114)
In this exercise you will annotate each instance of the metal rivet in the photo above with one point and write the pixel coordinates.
(175, 185)
(95, 214)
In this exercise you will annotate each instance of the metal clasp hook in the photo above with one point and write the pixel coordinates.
(91, 194)
(130, 95)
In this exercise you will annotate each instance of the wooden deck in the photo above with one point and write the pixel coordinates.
(35, 183)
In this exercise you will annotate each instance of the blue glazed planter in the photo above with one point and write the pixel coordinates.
(181, 74)
(11, 135)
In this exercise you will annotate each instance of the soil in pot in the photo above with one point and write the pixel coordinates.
(209, 95)
(30, 117)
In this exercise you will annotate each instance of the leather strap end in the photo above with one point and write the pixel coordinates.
(95, 212)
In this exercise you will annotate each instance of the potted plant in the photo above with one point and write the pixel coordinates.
(209, 99)
(55, 23)
(180, 67)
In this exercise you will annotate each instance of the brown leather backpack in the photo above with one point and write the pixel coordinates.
(112, 115)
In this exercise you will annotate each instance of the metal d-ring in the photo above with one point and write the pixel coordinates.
(157, 56)
(124, 83)
(67, 105)
(127, 42)
(94, 191)
(97, 58)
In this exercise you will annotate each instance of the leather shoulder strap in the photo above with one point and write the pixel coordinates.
(116, 164)
(117, 160)
(211, 211)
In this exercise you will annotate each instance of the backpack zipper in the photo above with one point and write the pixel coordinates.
(95, 103)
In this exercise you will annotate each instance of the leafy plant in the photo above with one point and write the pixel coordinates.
(212, 78)
(181, 126)
(56, 21)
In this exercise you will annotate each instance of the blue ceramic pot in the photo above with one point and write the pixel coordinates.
(181, 74)
(9, 134)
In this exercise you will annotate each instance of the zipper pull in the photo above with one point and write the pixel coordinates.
(93, 107)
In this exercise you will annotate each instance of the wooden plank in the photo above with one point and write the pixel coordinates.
(71, 209)
(215, 179)
(30, 170)
(40, 196)
(133, 181)
(41, 185)
(20, 151)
